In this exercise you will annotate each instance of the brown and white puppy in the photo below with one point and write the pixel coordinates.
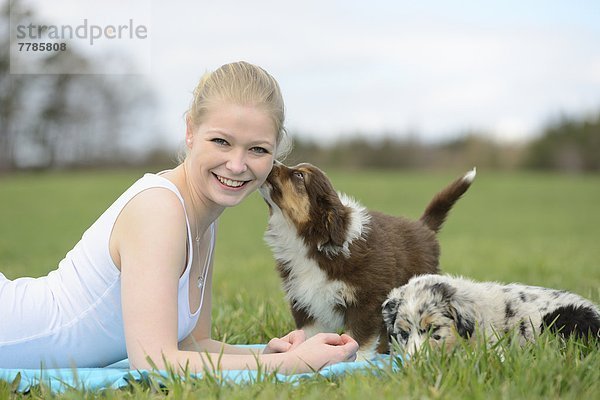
(439, 309)
(337, 260)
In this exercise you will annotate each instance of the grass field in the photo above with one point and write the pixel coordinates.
(537, 229)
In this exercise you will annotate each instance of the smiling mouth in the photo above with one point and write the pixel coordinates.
(230, 182)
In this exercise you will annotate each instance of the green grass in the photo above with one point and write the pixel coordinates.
(538, 229)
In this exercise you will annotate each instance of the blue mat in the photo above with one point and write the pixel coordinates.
(119, 375)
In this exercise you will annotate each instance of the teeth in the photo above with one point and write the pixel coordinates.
(229, 182)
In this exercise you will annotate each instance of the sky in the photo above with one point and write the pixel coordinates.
(428, 69)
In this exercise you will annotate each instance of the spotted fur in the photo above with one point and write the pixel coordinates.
(439, 309)
(337, 260)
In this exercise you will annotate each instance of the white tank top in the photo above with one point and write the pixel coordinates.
(73, 316)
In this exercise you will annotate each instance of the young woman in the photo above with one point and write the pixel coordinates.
(138, 283)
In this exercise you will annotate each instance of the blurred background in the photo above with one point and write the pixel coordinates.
(384, 84)
(392, 98)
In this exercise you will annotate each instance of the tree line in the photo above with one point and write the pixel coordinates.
(57, 120)
(566, 144)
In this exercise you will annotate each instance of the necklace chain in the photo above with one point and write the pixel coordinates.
(200, 281)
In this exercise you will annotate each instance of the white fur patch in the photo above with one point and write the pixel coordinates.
(470, 176)
(307, 284)
(368, 350)
(359, 222)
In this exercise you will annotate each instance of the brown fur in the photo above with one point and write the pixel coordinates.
(388, 252)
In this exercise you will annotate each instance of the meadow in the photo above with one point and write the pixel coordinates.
(539, 229)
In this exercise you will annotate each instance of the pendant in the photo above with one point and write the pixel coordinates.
(200, 281)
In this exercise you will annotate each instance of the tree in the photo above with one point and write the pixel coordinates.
(61, 120)
(568, 144)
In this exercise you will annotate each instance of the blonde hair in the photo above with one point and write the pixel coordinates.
(244, 84)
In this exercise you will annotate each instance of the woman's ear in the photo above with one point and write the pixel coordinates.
(189, 131)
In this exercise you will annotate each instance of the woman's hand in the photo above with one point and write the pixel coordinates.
(286, 343)
(321, 350)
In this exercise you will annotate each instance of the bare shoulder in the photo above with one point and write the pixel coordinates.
(153, 219)
(155, 202)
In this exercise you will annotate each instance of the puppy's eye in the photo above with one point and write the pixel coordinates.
(403, 335)
(298, 175)
(432, 332)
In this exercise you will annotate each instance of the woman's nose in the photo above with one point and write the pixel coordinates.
(237, 163)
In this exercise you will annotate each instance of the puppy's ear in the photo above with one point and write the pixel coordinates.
(389, 309)
(333, 225)
(443, 290)
(460, 309)
(329, 215)
(465, 323)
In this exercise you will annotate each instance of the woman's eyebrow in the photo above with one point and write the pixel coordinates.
(230, 136)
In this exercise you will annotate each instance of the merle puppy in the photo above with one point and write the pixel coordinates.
(439, 309)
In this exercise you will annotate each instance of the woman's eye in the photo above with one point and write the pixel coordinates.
(259, 150)
(219, 141)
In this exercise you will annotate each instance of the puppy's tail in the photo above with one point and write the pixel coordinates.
(437, 210)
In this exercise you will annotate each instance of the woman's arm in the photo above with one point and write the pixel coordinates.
(275, 345)
(315, 353)
(151, 237)
(200, 338)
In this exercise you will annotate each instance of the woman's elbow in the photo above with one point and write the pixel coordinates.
(159, 359)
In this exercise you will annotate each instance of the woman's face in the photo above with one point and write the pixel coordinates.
(231, 152)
